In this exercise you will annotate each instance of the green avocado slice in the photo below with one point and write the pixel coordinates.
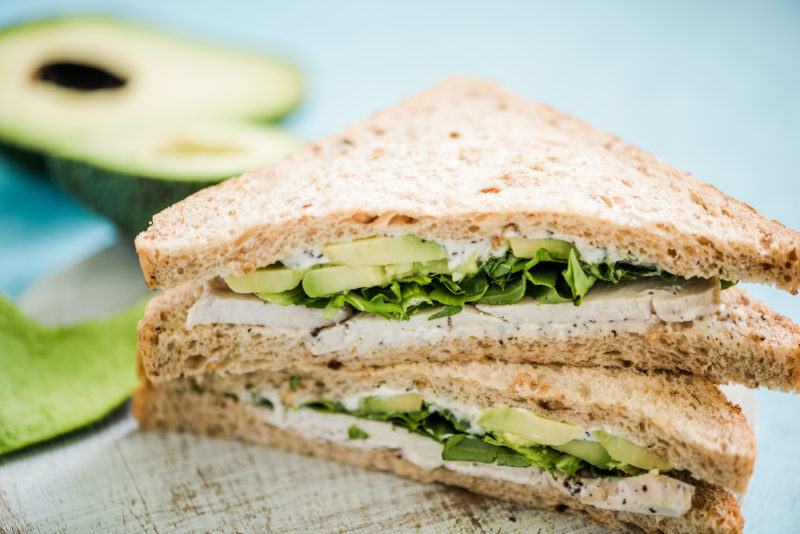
(625, 451)
(407, 402)
(336, 278)
(57, 379)
(385, 251)
(271, 279)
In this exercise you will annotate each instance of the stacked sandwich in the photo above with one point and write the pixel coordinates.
(472, 288)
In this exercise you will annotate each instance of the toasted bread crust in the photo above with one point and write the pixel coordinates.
(469, 160)
(745, 343)
(165, 407)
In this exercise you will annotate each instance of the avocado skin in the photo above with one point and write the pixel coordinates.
(31, 160)
(129, 201)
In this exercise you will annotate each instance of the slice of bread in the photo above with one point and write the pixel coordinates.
(683, 418)
(171, 406)
(745, 343)
(469, 160)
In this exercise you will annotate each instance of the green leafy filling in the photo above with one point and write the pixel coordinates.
(548, 277)
(460, 445)
(356, 433)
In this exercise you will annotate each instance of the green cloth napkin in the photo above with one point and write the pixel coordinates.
(56, 379)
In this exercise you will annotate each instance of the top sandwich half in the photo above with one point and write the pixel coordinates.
(468, 220)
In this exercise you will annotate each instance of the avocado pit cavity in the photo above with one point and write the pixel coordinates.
(78, 76)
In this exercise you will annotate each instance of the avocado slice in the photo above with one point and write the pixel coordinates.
(588, 451)
(272, 279)
(384, 251)
(57, 379)
(525, 428)
(131, 173)
(625, 451)
(404, 403)
(402, 270)
(63, 76)
(527, 248)
(336, 278)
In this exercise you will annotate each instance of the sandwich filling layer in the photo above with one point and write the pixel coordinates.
(628, 306)
(502, 443)
(401, 277)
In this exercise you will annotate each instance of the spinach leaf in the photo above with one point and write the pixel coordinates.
(356, 433)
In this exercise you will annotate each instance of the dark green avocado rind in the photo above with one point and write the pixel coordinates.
(129, 201)
(29, 159)
(54, 380)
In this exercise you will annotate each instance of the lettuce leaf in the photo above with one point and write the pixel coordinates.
(547, 277)
(356, 433)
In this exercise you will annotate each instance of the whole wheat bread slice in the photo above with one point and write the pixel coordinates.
(745, 343)
(683, 418)
(174, 406)
(469, 160)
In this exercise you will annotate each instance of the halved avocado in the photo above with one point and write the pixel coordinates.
(61, 77)
(128, 173)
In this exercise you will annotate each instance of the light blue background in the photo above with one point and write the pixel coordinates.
(713, 88)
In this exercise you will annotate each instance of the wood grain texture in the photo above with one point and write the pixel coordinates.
(116, 478)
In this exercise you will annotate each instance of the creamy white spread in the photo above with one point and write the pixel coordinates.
(463, 251)
(305, 258)
(630, 306)
(647, 493)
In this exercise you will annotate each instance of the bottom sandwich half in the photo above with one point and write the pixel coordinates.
(644, 453)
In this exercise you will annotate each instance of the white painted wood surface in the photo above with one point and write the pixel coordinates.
(114, 478)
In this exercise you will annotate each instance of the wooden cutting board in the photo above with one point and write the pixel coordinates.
(114, 478)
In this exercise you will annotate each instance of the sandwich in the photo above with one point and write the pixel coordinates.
(475, 277)
(468, 222)
(643, 452)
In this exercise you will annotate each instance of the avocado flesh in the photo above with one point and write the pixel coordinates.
(384, 251)
(526, 428)
(273, 279)
(625, 451)
(130, 174)
(399, 271)
(186, 150)
(334, 279)
(61, 77)
(588, 451)
(405, 403)
(527, 248)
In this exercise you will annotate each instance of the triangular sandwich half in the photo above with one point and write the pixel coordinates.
(652, 452)
(468, 222)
